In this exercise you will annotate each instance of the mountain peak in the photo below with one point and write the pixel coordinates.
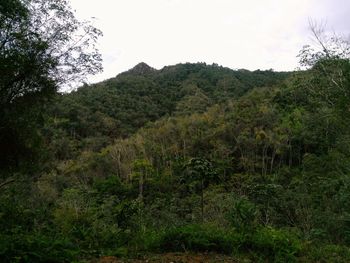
(141, 69)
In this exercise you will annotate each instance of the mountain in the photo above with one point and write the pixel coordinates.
(188, 158)
(119, 106)
(140, 69)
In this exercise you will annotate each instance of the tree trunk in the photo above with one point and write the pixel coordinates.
(202, 200)
(141, 187)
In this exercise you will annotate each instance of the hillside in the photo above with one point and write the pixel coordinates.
(95, 115)
(190, 161)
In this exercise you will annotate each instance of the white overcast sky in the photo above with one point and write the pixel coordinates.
(251, 34)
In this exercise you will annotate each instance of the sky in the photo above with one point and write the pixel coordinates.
(250, 34)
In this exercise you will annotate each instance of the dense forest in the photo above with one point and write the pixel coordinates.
(191, 158)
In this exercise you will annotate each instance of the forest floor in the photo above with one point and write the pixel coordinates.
(173, 258)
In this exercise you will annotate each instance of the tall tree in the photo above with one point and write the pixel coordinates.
(198, 174)
(42, 46)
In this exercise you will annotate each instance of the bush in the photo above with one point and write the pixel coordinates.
(199, 238)
(263, 243)
(326, 254)
(34, 247)
(276, 245)
(243, 215)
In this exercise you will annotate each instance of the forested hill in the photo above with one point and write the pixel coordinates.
(119, 106)
(191, 158)
(197, 157)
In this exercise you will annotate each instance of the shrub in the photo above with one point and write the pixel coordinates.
(35, 247)
(201, 238)
(263, 243)
(243, 215)
(326, 254)
(276, 245)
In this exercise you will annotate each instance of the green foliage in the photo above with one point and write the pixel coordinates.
(277, 245)
(118, 107)
(191, 157)
(243, 215)
(36, 247)
(326, 253)
(198, 173)
(263, 243)
(36, 57)
(196, 238)
(110, 186)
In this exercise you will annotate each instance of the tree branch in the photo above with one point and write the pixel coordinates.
(9, 181)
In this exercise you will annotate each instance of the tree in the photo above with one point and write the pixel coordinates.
(329, 63)
(42, 47)
(142, 170)
(198, 173)
(324, 88)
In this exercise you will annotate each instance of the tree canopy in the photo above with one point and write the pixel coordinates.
(42, 46)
